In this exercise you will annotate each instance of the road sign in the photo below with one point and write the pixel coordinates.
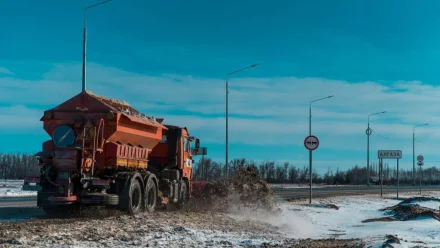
(369, 131)
(311, 142)
(200, 151)
(389, 154)
(420, 163)
(420, 158)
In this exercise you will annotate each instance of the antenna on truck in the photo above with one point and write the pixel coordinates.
(85, 44)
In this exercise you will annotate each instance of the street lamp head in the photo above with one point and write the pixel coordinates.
(383, 112)
(330, 96)
(426, 124)
(254, 65)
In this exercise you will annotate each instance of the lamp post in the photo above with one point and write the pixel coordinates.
(85, 43)
(227, 115)
(369, 132)
(310, 151)
(414, 156)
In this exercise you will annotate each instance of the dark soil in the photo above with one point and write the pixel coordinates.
(391, 239)
(384, 219)
(244, 189)
(405, 211)
(324, 205)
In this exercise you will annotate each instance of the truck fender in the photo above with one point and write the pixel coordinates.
(138, 176)
(125, 180)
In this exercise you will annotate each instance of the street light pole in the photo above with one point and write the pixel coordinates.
(368, 132)
(414, 156)
(85, 43)
(310, 151)
(227, 115)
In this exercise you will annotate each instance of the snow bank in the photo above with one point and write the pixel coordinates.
(347, 221)
(13, 188)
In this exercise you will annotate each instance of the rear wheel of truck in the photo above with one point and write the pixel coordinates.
(132, 200)
(150, 196)
(183, 196)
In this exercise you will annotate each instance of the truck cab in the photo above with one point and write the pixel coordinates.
(172, 161)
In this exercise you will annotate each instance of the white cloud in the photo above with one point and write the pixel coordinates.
(19, 117)
(263, 110)
(5, 71)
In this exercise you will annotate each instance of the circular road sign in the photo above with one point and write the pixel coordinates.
(419, 163)
(311, 142)
(369, 131)
(420, 158)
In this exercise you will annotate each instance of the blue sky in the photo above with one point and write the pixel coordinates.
(169, 59)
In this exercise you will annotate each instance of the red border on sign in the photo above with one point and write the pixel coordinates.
(311, 136)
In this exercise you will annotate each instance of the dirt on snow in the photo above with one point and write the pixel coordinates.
(200, 224)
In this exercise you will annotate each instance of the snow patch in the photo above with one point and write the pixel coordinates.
(347, 221)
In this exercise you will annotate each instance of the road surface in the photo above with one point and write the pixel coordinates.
(282, 193)
(15, 202)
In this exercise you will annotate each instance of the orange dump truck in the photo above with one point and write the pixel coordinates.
(103, 151)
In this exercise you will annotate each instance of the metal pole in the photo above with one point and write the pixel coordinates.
(227, 116)
(368, 146)
(227, 131)
(84, 56)
(381, 176)
(310, 154)
(420, 177)
(414, 160)
(84, 83)
(414, 155)
(397, 178)
(368, 153)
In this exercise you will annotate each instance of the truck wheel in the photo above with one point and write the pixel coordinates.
(150, 196)
(183, 197)
(132, 200)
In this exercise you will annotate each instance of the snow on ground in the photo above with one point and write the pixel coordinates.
(347, 221)
(237, 228)
(13, 188)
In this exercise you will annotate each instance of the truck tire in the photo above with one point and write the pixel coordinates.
(183, 195)
(150, 196)
(131, 199)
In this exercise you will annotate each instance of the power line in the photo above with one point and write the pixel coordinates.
(380, 135)
(420, 141)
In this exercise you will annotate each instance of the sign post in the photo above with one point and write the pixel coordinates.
(420, 159)
(311, 143)
(368, 132)
(388, 154)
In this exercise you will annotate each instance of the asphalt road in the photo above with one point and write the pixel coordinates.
(15, 202)
(282, 193)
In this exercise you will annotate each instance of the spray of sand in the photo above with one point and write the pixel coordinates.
(284, 220)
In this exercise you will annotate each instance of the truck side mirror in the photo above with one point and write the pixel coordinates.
(197, 143)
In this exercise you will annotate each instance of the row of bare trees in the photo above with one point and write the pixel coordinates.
(18, 166)
(273, 172)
